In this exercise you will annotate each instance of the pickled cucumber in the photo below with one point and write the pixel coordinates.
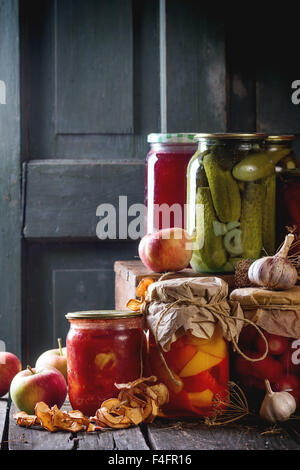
(224, 190)
(211, 254)
(268, 218)
(258, 165)
(251, 220)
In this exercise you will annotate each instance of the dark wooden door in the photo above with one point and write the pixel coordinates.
(90, 80)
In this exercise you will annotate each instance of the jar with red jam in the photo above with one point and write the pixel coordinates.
(103, 348)
(277, 315)
(165, 183)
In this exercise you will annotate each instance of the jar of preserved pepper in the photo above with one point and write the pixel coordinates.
(275, 143)
(277, 315)
(103, 348)
(165, 184)
(288, 203)
(188, 321)
(231, 200)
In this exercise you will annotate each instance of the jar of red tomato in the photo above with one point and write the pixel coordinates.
(103, 348)
(288, 202)
(277, 315)
(165, 183)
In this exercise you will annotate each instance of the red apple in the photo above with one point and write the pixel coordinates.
(10, 365)
(166, 250)
(33, 385)
(55, 358)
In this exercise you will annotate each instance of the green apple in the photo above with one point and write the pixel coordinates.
(30, 386)
(54, 357)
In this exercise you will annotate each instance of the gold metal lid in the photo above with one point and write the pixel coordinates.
(231, 136)
(278, 138)
(102, 314)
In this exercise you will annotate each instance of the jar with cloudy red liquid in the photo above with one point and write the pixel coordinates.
(165, 179)
(277, 316)
(103, 348)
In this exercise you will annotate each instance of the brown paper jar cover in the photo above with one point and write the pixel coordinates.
(277, 312)
(197, 304)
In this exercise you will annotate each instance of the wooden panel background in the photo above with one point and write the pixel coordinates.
(10, 179)
(91, 94)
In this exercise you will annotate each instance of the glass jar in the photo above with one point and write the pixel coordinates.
(288, 203)
(231, 200)
(277, 315)
(103, 348)
(273, 143)
(200, 368)
(281, 365)
(165, 179)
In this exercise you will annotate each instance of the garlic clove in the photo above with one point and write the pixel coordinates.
(277, 406)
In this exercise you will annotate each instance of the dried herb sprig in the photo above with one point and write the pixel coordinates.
(235, 404)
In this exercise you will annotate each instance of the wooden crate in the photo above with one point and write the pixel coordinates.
(130, 273)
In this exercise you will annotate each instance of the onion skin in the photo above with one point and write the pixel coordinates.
(274, 272)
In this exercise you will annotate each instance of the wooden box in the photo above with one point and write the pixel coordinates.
(130, 273)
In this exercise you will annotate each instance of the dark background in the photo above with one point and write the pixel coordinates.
(83, 92)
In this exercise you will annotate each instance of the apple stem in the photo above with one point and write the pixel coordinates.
(60, 346)
(31, 369)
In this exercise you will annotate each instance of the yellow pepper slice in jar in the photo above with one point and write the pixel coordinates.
(200, 362)
(216, 345)
(201, 399)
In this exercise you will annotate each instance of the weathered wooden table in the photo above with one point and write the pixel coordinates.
(161, 435)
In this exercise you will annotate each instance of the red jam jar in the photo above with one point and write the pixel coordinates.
(166, 166)
(201, 370)
(103, 348)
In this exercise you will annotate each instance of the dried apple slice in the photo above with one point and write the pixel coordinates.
(142, 288)
(44, 414)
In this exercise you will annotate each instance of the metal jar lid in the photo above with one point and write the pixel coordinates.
(280, 138)
(175, 138)
(231, 136)
(102, 315)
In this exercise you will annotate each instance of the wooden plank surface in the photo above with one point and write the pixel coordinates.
(93, 43)
(45, 28)
(40, 439)
(196, 69)
(62, 196)
(10, 180)
(37, 439)
(125, 439)
(170, 435)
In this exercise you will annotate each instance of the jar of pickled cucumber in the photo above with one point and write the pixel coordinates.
(231, 200)
(274, 143)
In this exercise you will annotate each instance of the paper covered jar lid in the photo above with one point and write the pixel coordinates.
(277, 312)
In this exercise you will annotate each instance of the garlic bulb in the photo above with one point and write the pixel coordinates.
(277, 406)
(275, 272)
